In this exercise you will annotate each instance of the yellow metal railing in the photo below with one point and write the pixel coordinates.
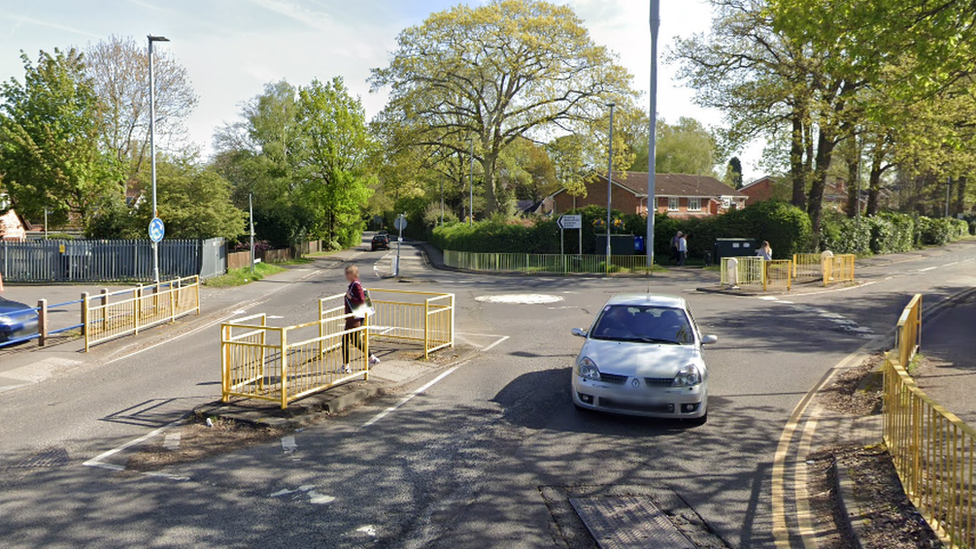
(284, 364)
(807, 267)
(934, 452)
(778, 275)
(416, 317)
(110, 315)
(838, 268)
(545, 263)
(751, 270)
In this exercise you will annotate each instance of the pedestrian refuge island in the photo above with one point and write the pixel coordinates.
(283, 364)
(782, 274)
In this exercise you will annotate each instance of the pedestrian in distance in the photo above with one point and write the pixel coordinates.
(682, 249)
(358, 307)
(674, 247)
(765, 251)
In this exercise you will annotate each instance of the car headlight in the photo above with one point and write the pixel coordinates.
(688, 376)
(6, 320)
(587, 368)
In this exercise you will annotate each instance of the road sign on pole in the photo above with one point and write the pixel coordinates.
(156, 230)
(570, 222)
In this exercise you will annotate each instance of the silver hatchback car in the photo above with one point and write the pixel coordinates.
(643, 356)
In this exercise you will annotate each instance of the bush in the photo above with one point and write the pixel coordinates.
(941, 231)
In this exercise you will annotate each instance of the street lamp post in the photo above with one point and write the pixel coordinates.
(609, 183)
(652, 138)
(152, 143)
(250, 213)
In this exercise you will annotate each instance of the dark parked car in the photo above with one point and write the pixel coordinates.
(16, 320)
(381, 242)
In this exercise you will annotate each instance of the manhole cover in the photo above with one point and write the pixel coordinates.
(57, 457)
(629, 523)
(519, 299)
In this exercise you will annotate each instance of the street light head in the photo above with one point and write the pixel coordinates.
(611, 104)
(157, 38)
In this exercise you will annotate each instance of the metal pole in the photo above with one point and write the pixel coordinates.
(471, 190)
(396, 271)
(250, 209)
(857, 189)
(45, 223)
(652, 138)
(609, 183)
(442, 202)
(152, 151)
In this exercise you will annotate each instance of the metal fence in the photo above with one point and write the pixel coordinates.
(544, 263)
(808, 267)
(934, 452)
(838, 268)
(752, 270)
(45, 261)
(426, 318)
(284, 364)
(110, 315)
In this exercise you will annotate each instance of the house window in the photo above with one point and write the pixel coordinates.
(694, 204)
(673, 204)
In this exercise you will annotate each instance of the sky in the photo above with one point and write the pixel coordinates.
(231, 48)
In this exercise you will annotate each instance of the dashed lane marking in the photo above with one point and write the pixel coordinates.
(410, 397)
(288, 444)
(928, 269)
(493, 345)
(172, 441)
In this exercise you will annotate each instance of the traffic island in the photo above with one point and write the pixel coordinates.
(757, 291)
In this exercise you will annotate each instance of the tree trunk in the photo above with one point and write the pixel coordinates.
(961, 195)
(797, 170)
(853, 185)
(825, 152)
(874, 183)
(491, 200)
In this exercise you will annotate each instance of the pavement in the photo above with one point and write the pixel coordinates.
(948, 373)
(485, 453)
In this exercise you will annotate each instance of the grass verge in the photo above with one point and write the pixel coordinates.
(240, 277)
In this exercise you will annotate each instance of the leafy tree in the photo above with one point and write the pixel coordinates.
(498, 72)
(49, 140)
(733, 173)
(333, 164)
(118, 68)
(686, 147)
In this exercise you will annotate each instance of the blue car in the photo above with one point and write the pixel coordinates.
(16, 320)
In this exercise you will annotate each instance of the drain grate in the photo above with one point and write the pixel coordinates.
(55, 457)
(628, 522)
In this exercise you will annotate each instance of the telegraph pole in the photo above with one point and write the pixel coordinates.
(652, 138)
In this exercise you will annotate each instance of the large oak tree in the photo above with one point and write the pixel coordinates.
(495, 73)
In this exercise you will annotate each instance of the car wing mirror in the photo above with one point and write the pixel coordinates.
(579, 332)
(709, 339)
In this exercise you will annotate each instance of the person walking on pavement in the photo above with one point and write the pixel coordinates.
(765, 251)
(358, 307)
(674, 246)
(682, 249)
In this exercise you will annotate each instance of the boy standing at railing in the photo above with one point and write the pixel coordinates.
(356, 306)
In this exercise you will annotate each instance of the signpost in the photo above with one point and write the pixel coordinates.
(156, 232)
(570, 222)
(399, 224)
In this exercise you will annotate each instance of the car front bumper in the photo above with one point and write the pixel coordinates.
(634, 397)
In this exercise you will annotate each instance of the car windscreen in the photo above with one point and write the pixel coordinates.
(644, 323)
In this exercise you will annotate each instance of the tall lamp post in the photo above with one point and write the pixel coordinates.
(609, 183)
(652, 139)
(152, 143)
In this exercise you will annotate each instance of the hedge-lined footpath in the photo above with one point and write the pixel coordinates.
(786, 227)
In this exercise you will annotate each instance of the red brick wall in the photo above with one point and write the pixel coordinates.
(596, 195)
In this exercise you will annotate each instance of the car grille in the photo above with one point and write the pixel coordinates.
(637, 407)
(659, 381)
(613, 378)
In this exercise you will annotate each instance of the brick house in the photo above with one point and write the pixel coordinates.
(767, 188)
(12, 227)
(678, 195)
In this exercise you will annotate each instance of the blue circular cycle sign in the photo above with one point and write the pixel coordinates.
(156, 230)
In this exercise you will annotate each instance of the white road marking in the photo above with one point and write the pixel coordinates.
(769, 298)
(368, 529)
(172, 441)
(928, 269)
(316, 498)
(99, 460)
(492, 346)
(288, 444)
(409, 397)
(275, 317)
(282, 492)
